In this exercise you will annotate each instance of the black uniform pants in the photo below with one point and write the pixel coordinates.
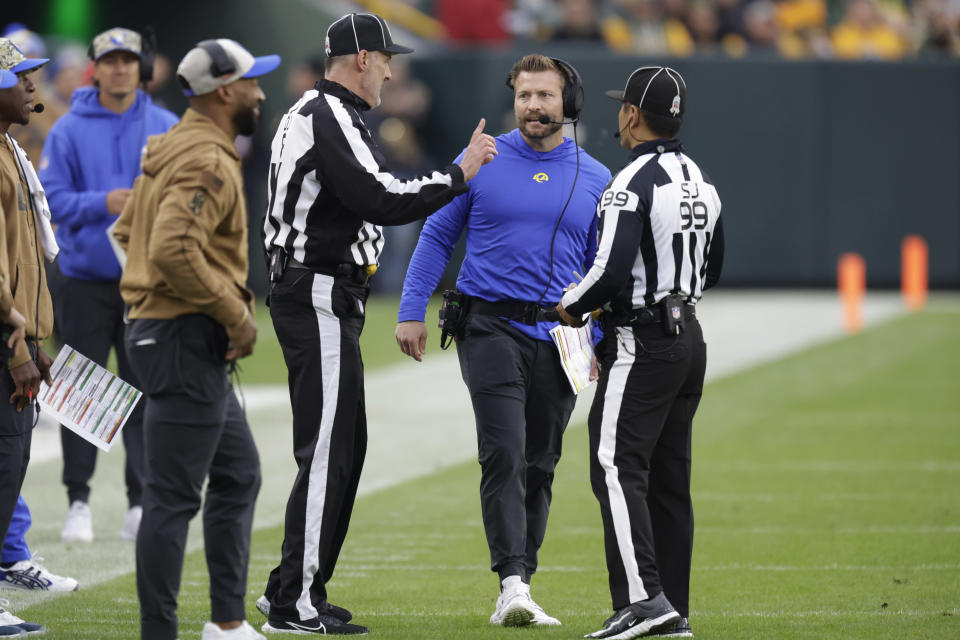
(89, 318)
(522, 402)
(640, 430)
(16, 432)
(318, 319)
(194, 430)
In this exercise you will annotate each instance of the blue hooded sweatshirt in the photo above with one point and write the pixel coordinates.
(509, 214)
(89, 152)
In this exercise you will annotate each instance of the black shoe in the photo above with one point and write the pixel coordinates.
(343, 615)
(339, 613)
(676, 629)
(638, 619)
(323, 625)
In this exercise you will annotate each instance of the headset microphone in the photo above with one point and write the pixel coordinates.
(618, 133)
(545, 119)
(38, 108)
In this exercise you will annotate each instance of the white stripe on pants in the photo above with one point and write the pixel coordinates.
(329, 327)
(612, 399)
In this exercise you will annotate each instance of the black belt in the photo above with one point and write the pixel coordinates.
(525, 312)
(353, 272)
(646, 315)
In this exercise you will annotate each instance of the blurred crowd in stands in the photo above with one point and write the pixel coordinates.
(791, 29)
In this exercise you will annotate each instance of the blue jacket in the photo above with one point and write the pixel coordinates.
(89, 152)
(509, 215)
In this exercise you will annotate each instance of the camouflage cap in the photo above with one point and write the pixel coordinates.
(12, 58)
(116, 39)
(7, 79)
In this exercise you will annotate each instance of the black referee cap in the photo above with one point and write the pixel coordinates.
(357, 31)
(657, 90)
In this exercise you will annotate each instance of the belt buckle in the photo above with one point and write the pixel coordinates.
(530, 314)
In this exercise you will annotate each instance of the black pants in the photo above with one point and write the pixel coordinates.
(318, 320)
(16, 432)
(640, 429)
(194, 430)
(89, 318)
(522, 402)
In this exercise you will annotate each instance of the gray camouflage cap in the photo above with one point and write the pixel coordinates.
(13, 60)
(116, 39)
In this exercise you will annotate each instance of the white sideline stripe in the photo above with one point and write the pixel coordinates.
(329, 327)
(606, 452)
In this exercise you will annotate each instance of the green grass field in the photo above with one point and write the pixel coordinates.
(827, 495)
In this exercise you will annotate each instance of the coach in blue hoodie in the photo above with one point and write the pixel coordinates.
(530, 222)
(90, 159)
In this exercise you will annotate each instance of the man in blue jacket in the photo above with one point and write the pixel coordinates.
(530, 222)
(90, 159)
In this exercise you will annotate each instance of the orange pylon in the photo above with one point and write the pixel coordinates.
(914, 267)
(852, 285)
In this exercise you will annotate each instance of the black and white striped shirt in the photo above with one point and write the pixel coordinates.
(329, 189)
(659, 233)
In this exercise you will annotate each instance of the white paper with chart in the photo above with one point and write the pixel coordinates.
(575, 347)
(87, 399)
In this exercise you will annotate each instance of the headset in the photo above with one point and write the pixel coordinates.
(148, 53)
(572, 92)
(220, 62)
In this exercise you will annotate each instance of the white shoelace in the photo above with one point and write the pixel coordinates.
(37, 568)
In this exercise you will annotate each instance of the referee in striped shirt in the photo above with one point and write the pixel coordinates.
(661, 246)
(329, 194)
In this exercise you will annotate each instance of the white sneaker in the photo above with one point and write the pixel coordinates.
(514, 604)
(540, 617)
(31, 575)
(79, 524)
(243, 632)
(131, 523)
(263, 605)
(7, 620)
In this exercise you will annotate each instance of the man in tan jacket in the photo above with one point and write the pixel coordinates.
(25, 307)
(184, 231)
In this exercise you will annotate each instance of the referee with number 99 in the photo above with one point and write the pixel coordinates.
(661, 246)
